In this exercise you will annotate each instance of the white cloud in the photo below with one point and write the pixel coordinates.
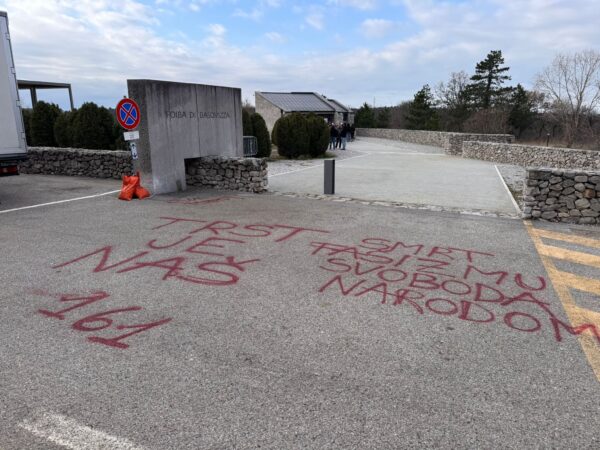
(258, 11)
(98, 44)
(315, 18)
(358, 4)
(376, 28)
(192, 5)
(196, 5)
(275, 37)
(217, 29)
(253, 14)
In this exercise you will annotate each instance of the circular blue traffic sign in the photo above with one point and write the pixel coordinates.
(128, 114)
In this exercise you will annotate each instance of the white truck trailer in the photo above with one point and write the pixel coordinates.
(13, 146)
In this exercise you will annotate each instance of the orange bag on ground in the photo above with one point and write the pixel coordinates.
(128, 188)
(140, 192)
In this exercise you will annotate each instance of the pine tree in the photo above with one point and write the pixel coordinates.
(383, 117)
(522, 113)
(421, 113)
(486, 89)
(364, 117)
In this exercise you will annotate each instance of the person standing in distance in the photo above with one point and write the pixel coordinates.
(333, 135)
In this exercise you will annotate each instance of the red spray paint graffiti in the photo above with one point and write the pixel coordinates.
(445, 281)
(192, 251)
(101, 320)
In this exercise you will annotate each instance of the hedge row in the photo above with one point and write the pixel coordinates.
(95, 127)
(91, 126)
(301, 135)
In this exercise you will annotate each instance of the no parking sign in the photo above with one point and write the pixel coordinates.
(128, 114)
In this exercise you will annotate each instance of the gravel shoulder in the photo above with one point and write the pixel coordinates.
(514, 177)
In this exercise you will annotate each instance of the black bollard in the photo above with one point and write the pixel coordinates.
(329, 177)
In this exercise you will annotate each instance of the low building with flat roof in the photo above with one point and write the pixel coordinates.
(273, 105)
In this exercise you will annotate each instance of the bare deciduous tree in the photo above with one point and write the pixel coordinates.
(488, 121)
(572, 85)
(452, 97)
(452, 94)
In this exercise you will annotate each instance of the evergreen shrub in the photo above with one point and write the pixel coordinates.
(63, 129)
(318, 135)
(43, 117)
(93, 128)
(292, 135)
(262, 135)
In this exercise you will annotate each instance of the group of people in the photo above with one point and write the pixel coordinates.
(339, 135)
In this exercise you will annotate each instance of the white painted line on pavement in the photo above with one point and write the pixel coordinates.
(60, 201)
(64, 431)
(508, 190)
(318, 165)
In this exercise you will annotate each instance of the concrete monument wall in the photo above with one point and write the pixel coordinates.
(181, 121)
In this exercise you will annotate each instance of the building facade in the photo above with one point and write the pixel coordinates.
(273, 105)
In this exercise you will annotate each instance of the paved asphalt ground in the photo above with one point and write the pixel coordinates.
(399, 171)
(274, 322)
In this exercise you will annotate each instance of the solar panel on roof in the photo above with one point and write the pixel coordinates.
(298, 102)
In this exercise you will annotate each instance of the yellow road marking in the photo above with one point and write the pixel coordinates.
(563, 281)
(580, 283)
(588, 242)
(569, 255)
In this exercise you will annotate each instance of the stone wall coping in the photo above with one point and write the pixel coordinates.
(563, 171)
(535, 147)
(78, 150)
(227, 158)
(453, 133)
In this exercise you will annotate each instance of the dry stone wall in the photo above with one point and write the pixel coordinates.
(556, 195)
(456, 141)
(528, 155)
(241, 174)
(244, 174)
(77, 162)
(452, 143)
(434, 138)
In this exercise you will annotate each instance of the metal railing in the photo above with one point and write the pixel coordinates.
(250, 146)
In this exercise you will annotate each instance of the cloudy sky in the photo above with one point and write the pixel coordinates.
(378, 51)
